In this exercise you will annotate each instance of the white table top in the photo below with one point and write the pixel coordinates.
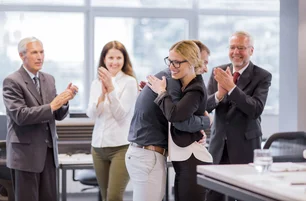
(77, 159)
(74, 121)
(277, 185)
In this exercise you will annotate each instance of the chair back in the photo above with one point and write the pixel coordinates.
(287, 146)
(3, 127)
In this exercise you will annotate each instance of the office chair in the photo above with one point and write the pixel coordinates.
(287, 146)
(88, 178)
(7, 192)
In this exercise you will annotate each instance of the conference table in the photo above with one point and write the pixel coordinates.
(285, 181)
(82, 161)
(70, 162)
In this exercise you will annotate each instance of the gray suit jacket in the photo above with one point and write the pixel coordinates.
(30, 120)
(237, 116)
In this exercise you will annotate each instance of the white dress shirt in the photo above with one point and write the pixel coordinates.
(32, 75)
(112, 116)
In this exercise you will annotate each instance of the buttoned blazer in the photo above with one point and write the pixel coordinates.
(237, 117)
(30, 120)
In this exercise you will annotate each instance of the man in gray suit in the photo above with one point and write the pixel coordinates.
(32, 106)
(238, 101)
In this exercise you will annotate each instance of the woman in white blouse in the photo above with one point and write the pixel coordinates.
(111, 104)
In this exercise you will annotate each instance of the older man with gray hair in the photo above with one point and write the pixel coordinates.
(32, 106)
(237, 92)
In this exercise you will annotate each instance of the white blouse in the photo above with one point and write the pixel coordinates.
(112, 116)
(177, 153)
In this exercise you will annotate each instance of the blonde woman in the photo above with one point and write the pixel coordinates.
(184, 63)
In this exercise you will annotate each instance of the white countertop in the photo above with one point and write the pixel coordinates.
(277, 185)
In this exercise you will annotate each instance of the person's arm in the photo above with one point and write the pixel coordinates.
(121, 105)
(193, 124)
(95, 106)
(253, 105)
(212, 89)
(184, 108)
(14, 101)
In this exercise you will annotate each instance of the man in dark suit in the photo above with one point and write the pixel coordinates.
(32, 106)
(238, 102)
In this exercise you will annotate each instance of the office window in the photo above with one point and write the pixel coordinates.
(144, 3)
(260, 5)
(43, 2)
(215, 31)
(64, 48)
(74, 32)
(147, 40)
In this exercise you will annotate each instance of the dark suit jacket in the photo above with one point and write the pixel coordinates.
(193, 102)
(30, 120)
(237, 116)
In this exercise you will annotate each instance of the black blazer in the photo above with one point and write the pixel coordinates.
(193, 102)
(237, 116)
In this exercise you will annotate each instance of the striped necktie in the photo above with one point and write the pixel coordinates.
(36, 82)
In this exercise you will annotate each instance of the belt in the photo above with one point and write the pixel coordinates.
(157, 149)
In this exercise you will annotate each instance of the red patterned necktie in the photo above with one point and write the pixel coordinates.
(235, 77)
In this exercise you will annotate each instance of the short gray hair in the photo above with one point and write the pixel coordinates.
(22, 45)
(245, 34)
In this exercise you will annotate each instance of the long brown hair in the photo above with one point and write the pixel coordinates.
(127, 65)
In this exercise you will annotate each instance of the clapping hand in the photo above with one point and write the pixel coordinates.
(224, 79)
(64, 97)
(106, 78)
(72, 90)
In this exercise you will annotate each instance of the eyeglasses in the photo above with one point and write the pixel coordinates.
(239, 48)
(175, 64)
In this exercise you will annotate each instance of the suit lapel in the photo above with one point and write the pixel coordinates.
(43, 87)
(30, 84)
(246, 77)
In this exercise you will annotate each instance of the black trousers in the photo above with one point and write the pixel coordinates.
(213, 195)
(185, 183)
(30, 186)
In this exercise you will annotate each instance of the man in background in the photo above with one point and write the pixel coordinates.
(32, 106)
(237, 92)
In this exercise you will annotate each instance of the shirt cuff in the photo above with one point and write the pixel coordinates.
(229, 93)
(99, 107)
(111, 95)
(216, 99)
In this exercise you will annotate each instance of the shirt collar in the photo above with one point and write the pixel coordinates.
(30, 74)
(118, 75)
(242, 69)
